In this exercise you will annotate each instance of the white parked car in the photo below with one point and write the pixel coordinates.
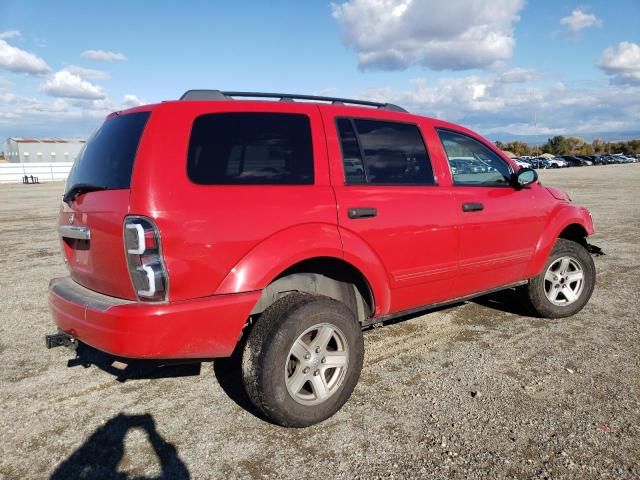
(557, 162)
(521, 163)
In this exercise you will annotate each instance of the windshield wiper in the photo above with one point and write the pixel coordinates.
(78, 189)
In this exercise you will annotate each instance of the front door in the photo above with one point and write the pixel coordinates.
(498, 225)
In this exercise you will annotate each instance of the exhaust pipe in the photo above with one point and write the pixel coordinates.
(60, 339)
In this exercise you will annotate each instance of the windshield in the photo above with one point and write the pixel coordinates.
(106, 161)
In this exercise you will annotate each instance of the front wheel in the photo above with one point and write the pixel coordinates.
(302, 359)
(565, 284)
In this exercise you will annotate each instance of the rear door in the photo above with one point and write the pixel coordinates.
(97, 191)
(499, 225)
(389, 197)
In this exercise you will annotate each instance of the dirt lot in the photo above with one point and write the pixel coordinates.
(472, 391)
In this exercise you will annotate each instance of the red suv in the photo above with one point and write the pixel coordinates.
(188, 225)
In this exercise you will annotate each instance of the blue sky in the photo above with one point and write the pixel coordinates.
(537, 67)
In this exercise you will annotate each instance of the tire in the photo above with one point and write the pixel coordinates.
(283, 370)
(565, 284)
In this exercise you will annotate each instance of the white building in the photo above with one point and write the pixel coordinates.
(42, 150)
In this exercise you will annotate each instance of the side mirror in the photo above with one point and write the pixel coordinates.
(524, 177)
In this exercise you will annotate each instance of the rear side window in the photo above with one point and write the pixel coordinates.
(251, 149)
(383, 153)
(107, 158)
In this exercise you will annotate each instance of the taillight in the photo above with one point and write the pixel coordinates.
(144, 259)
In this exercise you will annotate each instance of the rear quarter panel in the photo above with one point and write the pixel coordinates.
(207, 229)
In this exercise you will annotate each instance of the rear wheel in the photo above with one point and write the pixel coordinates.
(565, 284)
(302, 359)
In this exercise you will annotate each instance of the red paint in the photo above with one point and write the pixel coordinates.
(199, 328)
(223, 244)
(99, 264)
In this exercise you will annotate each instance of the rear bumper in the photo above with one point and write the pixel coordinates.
(203, 328)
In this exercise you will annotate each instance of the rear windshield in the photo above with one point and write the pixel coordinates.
(107, 158)
(251, 149)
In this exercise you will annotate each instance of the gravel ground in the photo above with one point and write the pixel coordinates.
(473, 391)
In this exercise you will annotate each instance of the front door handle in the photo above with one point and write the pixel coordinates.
(472, 207)
(365, 212)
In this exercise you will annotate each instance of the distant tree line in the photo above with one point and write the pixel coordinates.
(560, 145)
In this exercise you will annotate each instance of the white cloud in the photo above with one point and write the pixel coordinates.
(57, 117)
(10, 34)
(87, 73)
(578, 20)
(489, 105)
(103, 55)
(623, 63)
(20, 61)
(27, 116)
(453, 35)
(67, 85)
(131, 100)
(518, 75)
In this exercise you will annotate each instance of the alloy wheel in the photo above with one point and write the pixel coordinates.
(316, 364)
(564, 281)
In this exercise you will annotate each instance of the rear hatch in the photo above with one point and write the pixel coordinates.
(95, 204)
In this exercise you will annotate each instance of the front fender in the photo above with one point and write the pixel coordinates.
(564, 215)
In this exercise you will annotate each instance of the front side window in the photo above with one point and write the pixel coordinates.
(473, 163)
(251, 149)
(383, 153)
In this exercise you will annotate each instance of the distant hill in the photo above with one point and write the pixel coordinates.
(540, 139)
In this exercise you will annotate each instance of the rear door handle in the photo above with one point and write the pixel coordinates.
(472, 207)
(362, 212)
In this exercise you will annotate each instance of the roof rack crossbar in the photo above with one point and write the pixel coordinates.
(286, 97)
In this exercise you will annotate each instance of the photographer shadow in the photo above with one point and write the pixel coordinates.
(103, 451)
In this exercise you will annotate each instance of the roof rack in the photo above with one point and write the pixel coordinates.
(284, 97)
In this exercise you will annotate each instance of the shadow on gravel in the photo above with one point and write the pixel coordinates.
(228, 372)
(505, 301)
(129, 369)
(101, 454)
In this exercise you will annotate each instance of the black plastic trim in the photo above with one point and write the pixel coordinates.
(362, 212)
(425, 308)
(74, 292)
(472, 207)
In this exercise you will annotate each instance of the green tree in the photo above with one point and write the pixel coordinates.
(518, 147)
(557, 145)
(599, 146)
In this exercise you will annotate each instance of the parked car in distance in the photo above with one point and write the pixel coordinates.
(573, 161)
(460, 165)
(273, 232)
(557, 162)
(522, 163)
(586, 160)
(539, 163)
